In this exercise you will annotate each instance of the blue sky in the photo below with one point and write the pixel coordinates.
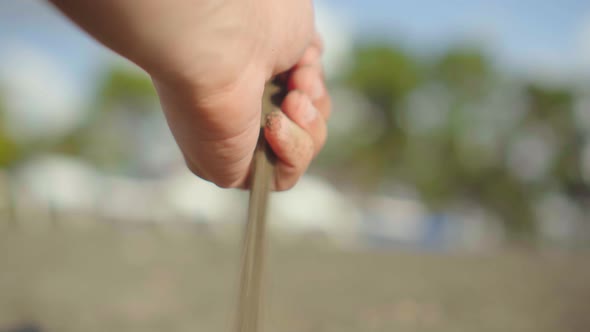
(519, 33)
(519, 23)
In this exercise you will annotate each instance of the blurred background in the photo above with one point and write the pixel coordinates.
(453, 193)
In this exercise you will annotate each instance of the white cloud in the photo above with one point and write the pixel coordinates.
(550, 67)
(583, 40)
(41, 101)
(336, 31)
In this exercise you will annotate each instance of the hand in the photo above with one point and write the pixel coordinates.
(209, 61)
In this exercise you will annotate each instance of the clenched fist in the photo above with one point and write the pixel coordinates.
(209, 61)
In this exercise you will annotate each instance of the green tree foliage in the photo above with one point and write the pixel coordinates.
(385, 75)
(111, 136)
(554, 107)
(10, 151)
(125, 85)
(464, 70)
(446, 163)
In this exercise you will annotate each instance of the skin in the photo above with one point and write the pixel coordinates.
(209, 61)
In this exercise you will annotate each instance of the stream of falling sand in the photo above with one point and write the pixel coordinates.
(252, 261)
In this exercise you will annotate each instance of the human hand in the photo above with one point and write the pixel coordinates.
(209, 61)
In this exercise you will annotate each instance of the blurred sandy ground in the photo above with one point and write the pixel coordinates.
(149, 281)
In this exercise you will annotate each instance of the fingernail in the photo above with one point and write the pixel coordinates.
(278, 126)
(311, 56)
(273, 121)
(309, 111)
